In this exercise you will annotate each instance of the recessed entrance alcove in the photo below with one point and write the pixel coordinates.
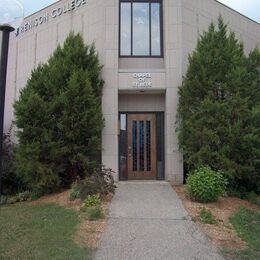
(141, 136)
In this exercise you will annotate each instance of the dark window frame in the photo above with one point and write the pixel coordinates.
(150, 37)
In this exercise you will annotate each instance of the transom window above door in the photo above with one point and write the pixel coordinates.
(140, 28)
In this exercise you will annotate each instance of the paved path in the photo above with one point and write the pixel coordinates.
(147, 221)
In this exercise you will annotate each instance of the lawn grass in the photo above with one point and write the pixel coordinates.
(247, 224)
(39, 232)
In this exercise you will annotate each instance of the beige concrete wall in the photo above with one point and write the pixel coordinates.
(141, 63)
(98, 21)
(141, 102)
(173, 60)
(110, 75)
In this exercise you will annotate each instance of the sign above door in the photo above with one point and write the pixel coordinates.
(142, 80)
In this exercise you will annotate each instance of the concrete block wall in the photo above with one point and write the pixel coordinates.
(173, 60)
(110, 94)
(142, 102)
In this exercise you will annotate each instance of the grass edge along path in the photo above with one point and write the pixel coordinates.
(42, 231)
(246, 222)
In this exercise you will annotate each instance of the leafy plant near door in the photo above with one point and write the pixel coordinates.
(100, 182)
(92, 206)
(206, 185)
(92, 200)
(59, 119)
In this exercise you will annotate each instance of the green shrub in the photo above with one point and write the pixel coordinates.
(101, 182)
(3, 200)
(12, 199)
(75, 191)
(92, 200)
(6, 200)
(20, 197)
(206, 217)
(253, 198)
(11, 184)
(95, 213)
(233, 193)
(24, 196)
(205, 185)
(242, 194)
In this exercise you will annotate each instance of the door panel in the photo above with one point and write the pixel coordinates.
(142, 147)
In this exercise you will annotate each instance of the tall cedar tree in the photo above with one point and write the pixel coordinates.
(218, 108)
(59, 118)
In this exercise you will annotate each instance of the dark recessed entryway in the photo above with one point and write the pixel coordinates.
(141, 146)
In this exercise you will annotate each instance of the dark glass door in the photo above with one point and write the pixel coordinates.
(141, 138)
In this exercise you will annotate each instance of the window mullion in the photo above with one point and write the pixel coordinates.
(132, 17)
(161, 29)
(150, 29)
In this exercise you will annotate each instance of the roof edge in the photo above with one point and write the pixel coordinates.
(42, 9)
(245, 16)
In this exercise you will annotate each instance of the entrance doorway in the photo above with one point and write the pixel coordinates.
(141, 146)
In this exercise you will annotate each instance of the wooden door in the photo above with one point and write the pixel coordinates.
(141, 147)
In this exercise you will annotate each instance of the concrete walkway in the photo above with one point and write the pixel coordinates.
(147, 221)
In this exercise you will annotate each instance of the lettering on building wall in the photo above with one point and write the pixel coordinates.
(142, 80)
(56, 12)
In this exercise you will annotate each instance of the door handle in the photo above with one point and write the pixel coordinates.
(129, 151)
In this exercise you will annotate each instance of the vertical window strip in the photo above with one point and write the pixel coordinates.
(141, 145)
(141, 29)
(156, 30)
(134, 145)
(148, 145)
(125, 29)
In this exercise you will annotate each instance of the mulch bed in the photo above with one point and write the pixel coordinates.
(222, 234)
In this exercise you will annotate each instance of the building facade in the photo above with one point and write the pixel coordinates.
(144, 47)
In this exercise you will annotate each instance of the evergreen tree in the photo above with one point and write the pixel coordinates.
(59, 118)
(253, 67)
(215, 112)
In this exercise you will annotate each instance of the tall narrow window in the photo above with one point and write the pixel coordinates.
(141, 146)
(155, 29)
(140, 28)
(148, 146)
(125, 43)
(134, 145)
